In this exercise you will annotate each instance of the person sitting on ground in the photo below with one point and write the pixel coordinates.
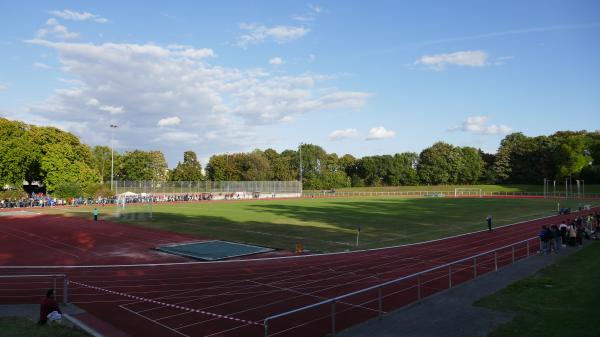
(49, 309)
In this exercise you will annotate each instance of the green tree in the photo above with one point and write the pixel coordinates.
(440, 164)
(572, 155)
(189, 170)
(141, 165)
(472, 166)
(102, 161)
(62, 164)
(15, 149)
(253, 166)
(404, 169)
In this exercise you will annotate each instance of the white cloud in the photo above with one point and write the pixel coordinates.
(3, 86)
(78, 16)
(259, 33)
(502, 60)
(315, 9)
(136, 85)
(310, 15)
(312, 58)
(380, 133)
(92, 102)
(196, 53)
(343, 134)
(55, 30)
(41, 65)
(471, 58)
(276, 61)
(477, 124)
(169, 121)
(113, 110)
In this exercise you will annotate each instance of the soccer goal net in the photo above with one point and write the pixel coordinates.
(467, 192)
(134, 207)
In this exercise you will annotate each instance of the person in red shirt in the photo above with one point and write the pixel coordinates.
(49, 306)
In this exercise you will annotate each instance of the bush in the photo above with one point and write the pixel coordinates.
(98, 190)
(12, 194)
(68, 190)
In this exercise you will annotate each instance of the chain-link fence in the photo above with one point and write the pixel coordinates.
(217, 189)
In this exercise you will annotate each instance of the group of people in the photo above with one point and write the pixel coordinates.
(570, 232)
(33, 200)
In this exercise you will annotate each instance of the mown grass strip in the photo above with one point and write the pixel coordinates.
(560, 300)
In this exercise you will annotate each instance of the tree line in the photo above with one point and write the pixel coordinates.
(66, 166)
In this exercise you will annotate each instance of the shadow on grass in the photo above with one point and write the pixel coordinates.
(331, 224)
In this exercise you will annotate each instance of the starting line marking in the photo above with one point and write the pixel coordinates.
(141, 299)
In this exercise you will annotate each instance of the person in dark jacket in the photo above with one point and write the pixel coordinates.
(545, 237)
(49, 309)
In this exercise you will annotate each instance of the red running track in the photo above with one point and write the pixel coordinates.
(233, 298)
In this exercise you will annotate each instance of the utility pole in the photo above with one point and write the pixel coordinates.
(300, 163)
(112, 154)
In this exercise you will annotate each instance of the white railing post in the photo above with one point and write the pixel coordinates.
(495, 261)
(66, 290)
(333, 318)
(513, 254)
(419, 287)
(380, 305)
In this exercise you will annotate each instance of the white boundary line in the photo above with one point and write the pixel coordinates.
(167, 305)
(280, 257)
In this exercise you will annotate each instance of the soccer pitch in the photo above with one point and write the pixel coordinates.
(330, 224)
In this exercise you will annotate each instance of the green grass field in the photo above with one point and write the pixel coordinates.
(560, 188)
(560, 300)
(329, 224)
(25, 327)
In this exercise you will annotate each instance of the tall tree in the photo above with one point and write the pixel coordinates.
(102, 161)
(189, 170)
(472, 166)
(440, 164)
(141, 165)
(15, 152)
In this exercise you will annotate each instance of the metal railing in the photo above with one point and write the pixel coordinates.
(422, 284)
(55, 278)
(195, 187)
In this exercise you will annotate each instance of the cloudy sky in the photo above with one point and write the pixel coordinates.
(360, 77)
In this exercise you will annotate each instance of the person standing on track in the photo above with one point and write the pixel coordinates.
(95, 212)
(489, 222)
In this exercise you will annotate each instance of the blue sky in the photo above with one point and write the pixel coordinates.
(354, 77)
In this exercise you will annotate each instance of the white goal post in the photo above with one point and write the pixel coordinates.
(467, 192)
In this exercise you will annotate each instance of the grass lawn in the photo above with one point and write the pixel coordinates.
(329, 224)
(25, 327)
(558, 301)
(539, 188)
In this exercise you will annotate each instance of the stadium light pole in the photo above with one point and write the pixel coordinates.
(300, 164)
(227, 170)
(112, 154)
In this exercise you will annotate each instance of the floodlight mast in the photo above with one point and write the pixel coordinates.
(112, 154)
(301, 165)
